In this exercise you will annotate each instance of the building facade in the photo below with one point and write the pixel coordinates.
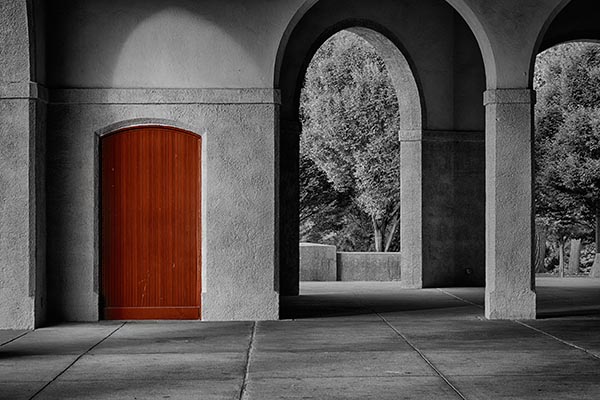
(221, 79)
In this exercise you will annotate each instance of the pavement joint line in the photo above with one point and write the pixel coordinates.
(573, 345)
(77, 359)
(461, 299)
(420, 353)
(243, 391)
(15, 338)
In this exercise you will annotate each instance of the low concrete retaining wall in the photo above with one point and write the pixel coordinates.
(382, 267)
(317, 262)
(320, 262)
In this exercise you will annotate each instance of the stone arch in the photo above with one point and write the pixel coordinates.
(570, 21)
(447, 115)
(137, 122)
(401, 70)
(411, 116)
(470, 16)
(462, 7)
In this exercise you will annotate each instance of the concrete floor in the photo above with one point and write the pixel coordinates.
(346, 341)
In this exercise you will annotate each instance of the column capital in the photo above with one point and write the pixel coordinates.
(23, 90)
(509, 96)
(410, 135)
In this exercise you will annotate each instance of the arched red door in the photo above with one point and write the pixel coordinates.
(151, 224)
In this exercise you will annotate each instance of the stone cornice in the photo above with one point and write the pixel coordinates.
(441, 136)
(509, 96)
(165, 96)
(23, 90)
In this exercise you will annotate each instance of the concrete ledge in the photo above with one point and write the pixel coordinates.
(165, 96)
(383, 267)
(453, 136)
(410, 135)
(503, 96)
(23, 90)
(317, 262)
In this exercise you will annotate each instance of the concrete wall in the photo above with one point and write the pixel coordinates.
(383, 267)
(453, 209)
(238, 133)
(165, 44)
(320, 262)
(22, 206)
(317, 262)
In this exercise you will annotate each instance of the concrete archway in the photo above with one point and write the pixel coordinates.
(411, 122)
(432, 119)
(573, 22)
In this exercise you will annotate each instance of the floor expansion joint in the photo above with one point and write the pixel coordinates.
(77, 359)
(243, 391)
(420, 353)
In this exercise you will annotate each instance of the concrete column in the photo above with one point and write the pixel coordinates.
(411, 208)
(289, 207)
(22, 207)
(509, 292)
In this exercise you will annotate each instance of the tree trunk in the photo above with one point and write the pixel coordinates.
(574, 256)
(540, 248)
(391, 232)
(378, 230)
(595, 271)
(561, 258)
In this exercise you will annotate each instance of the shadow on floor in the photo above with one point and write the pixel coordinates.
(556, 298)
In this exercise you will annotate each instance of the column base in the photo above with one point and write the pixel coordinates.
(510, 305)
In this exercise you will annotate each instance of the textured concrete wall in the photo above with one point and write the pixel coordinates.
(317, 262)
(16, 253)
(22, 213)
(168, 44)
(453, 209)
(22, 218)
(15, 63)
(368, 266)
(238, 194)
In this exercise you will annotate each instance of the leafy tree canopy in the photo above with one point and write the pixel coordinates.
(567, 142)
(349, 114)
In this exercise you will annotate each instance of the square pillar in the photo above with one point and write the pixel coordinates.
(22, 206)
(411, 208)
(509, 291)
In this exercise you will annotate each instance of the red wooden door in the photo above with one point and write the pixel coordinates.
(151, 224)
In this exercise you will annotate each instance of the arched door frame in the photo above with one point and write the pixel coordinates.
(140, 123)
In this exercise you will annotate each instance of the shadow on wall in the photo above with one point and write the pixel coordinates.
(143, 43)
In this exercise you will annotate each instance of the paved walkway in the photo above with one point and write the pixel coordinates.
(347, 341)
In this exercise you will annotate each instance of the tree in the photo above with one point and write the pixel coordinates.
(574, 164)
(567, 148)
(349, 114)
